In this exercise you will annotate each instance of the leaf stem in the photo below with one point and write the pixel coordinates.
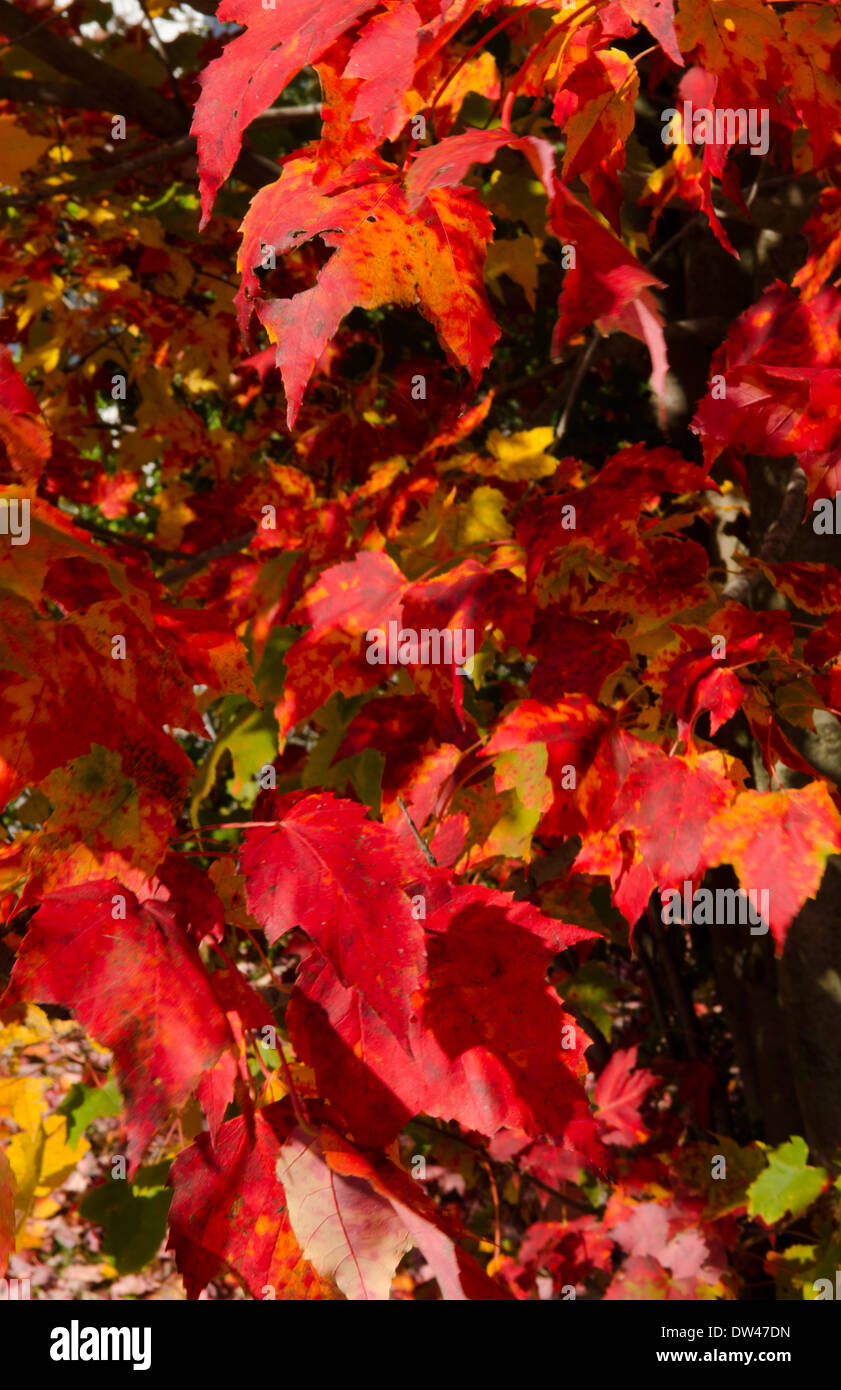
(300, 1114)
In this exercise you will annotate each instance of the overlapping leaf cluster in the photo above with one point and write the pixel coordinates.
(339, 924)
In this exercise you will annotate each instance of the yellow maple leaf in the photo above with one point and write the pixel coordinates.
(35, 1148)
(522, 455)
(18, 151)
(518, 258)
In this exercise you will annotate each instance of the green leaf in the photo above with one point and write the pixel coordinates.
(84, 1104)
(132, 1216)
(271, 673)
(788, 1184)
(595, 991)
(365, 770)
(725, 1187)
(334, 718)
(806, 1272)
(250, 737)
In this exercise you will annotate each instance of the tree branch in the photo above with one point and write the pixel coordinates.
(111, 173)
(447, 1134)
(46, 93)
(102, 533)
(284, 115)
(163, 54)
(196, 563)
(690, 1026)
(149, 109)
(681, 997)
(777, 540)
(47, 19)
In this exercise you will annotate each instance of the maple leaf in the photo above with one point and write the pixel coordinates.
(789, 1184)
(658, 822)
(103, 826)
(658, 16)
(618, 1095)
(466, 600)
(596, 110)
(485, 949)
(383, 254)
(606, 285)
(643, 1278)
(35, 739)
(572, 655)
(458, 1064)
(588, 586)
(610, 277)
(607, 511)
(191, 895)
(372, 1081)
(688, 177)
(328, 869)
(459, 1276)
(384, 57)
(254, 69)
(781, 368)
(229, 1212)
(351, 1234)
(22, 428)
(571, 730)
(444, 164)
(823, 232)
(730, 38)
(774, 410)
(694, 679)
(39, 1154)
(346, 602)
(137, 985)
(246, 1012)
(568, 1250)
(209, 653)
(726, 1194)
(780, 841)
(689, 1251)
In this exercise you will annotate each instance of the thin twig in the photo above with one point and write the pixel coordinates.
(756, 185)
(529, 1177)
(673, 240)
(134, 100)
(288, 1081)
(103, 342)
(495, 1195)
(196, 563)
(286, 115)
(119, 538)
(165, 58)
(48, 93)
(575, 387)
(111, 173)
(48, 19)
(424, 847)
(509, 387)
